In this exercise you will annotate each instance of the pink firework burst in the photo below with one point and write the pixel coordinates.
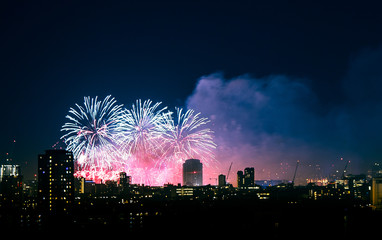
(147, 142)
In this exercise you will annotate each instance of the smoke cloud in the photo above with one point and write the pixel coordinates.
(271, 122)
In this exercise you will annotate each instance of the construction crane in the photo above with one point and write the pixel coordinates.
(346, 166)
(229, 170)
(295, 171)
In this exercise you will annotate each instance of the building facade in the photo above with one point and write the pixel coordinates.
(247, 178)
(240, 179)
(192, 173)
(55, 183)
(222, 180)
(10, 185)
(376, 193)
(8, 170)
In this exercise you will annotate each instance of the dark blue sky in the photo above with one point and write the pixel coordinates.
(53, 53)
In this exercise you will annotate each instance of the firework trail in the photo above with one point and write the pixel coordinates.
(146, 142)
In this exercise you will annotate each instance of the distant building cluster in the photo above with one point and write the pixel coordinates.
(56, 194)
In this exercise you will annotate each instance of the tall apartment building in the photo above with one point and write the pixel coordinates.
(55, 183)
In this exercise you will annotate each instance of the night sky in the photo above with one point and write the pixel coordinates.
(279, 80)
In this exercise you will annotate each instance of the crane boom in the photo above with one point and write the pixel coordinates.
(346, 166)
(229, 170)
(295, 171)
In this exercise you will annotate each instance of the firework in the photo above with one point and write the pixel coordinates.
(141, 136)
(147, 142)
(91, 134)
(142, 128)
(186, 137)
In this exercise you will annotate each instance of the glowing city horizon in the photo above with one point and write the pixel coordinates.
(147, 142)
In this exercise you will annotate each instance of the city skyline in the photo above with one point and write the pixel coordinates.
(192, 174)
(58, 201)
(152, 117)
(280, 82)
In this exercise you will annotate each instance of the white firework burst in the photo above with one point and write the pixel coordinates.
(92, 131)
